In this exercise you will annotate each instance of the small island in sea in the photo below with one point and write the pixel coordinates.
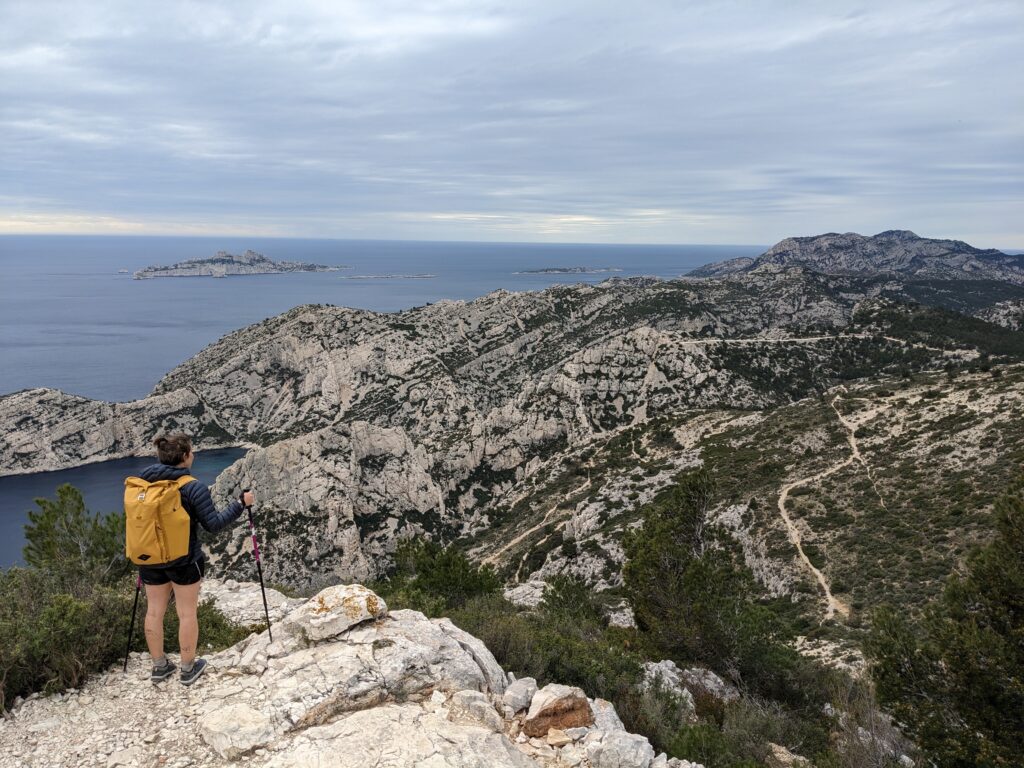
(224, 264)
(568, 271)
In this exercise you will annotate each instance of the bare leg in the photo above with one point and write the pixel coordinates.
(186, 601)
(157, 597)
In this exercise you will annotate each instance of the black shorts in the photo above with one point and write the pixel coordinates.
(182, 575)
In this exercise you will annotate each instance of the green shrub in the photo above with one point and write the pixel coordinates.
(956, 676)
(431, 579)
(696, 604)
(63, 538)
(66, 616)
(53, 636)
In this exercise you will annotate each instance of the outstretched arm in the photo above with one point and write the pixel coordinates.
(199, 500)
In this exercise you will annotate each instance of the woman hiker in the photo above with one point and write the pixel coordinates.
(184, 577)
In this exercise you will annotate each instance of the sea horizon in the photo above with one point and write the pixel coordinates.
(70, 312)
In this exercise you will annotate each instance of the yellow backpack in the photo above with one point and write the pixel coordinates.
(156, 524)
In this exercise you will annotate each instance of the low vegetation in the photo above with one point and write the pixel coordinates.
(66, 614)
(955, 677)
(695, 604)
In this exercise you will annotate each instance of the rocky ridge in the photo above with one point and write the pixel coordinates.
(441, 420)
(224, 264)
(346, 682)
(894, 251)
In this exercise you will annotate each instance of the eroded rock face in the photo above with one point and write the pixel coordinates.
(45, 429)
(371, 428)
(343, 684)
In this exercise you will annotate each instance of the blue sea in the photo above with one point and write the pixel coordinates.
(72, 317)
(102, 487)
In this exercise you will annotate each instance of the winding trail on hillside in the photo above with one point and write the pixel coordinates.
(851, 438)
(494, 557)
(833, 604)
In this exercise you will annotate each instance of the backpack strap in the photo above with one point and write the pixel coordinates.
(184, 480)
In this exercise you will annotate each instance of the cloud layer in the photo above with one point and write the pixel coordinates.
(661, 121)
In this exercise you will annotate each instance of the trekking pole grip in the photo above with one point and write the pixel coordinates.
(259, 565)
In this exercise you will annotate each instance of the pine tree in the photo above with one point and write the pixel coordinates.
(695, 602)
(63, 538)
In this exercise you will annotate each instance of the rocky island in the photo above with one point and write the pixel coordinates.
(224, 264)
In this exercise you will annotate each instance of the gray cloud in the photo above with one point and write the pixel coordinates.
(661, 122)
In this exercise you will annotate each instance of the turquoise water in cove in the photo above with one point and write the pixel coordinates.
(72, 320)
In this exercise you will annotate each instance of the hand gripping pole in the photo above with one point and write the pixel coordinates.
(259, 567)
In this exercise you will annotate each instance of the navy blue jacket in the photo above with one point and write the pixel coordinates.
(198, 502)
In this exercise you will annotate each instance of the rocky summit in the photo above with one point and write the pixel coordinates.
(894, 251)
(345, 683)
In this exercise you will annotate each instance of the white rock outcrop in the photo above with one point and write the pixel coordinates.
(241, 602)
(345, 683)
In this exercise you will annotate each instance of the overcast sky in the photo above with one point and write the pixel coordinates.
(589, 121)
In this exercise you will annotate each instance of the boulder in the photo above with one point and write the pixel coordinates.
(605, 716)
(558, 738)
(557, 706)
(622, 616)
(332, 611)
(701, 681)
(474, 708)
(526, 595)
(520, 693)
(618, 749)
(404, 656)
(666, 676)
(780, 757)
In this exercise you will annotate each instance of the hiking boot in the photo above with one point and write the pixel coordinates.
(189, 676)
(162, 671)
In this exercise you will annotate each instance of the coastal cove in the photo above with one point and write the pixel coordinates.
(101, 484)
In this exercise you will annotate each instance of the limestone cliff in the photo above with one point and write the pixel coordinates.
(371, 427)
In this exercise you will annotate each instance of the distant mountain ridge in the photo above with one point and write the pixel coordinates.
(893, 251)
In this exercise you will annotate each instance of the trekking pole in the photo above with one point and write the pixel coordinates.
(131, 627)
(259, 567)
